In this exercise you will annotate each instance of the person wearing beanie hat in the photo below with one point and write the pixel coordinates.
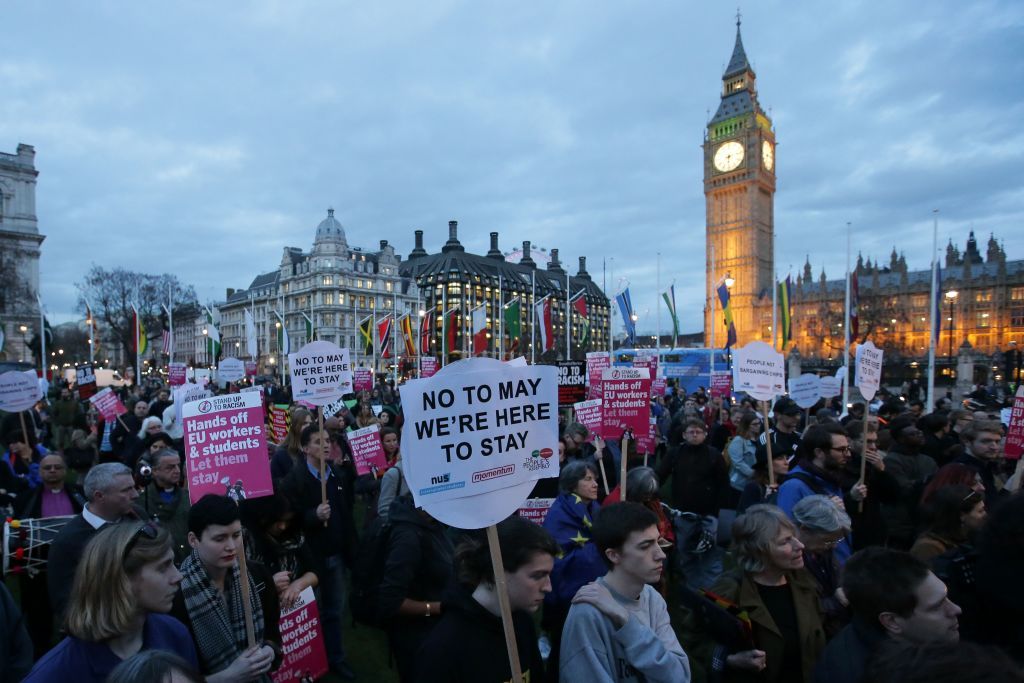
(911, 469)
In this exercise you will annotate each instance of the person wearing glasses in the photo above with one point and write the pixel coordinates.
(165, 499)
(822, 526)
(824, 452)
(123, 589)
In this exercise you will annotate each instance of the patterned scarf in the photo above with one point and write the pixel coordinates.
(219, 628)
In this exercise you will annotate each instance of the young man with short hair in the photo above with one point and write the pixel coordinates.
(618, 627)
(983, 448)
(893, 596)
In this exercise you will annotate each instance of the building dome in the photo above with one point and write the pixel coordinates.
(330, 229)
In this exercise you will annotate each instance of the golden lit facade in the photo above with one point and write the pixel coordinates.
(739, 192)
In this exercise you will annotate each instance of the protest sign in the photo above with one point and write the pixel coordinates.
(1015, 434)
(279, 422)
(588, 414)
(759, 370)
(302, 642)
(536, 509)
(253, 387)
(331, 409)
(829, 386)
(572, 382)
(805, 390)
(19, 390)
(85, 380)
(225, 447)
(647, 358)
(230, 370)
(367, 450)
(658, 387)
(721, 384)
(479, 426)
(428, 367)
(362, 379)
(627, 401)
(250, 368)
(868, 369)
(108, 404)
(320, 373)
(597, 361)
(176, 374)
(645, 441)
(185, 393)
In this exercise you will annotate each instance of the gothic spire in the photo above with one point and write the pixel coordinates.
(738, 63)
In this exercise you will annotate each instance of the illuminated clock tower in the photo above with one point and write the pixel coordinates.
(739, 191)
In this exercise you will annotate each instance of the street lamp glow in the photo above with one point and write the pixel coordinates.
(952, 294)
(729, 281)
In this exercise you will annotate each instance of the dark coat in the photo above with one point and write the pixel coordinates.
(700, 478)
(869, 525)
(173, 516)
(65, 553)
(339, 536)
(848, 655)
(31, 504)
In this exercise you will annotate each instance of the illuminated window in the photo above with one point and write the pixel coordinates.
(328, 280)
(1017, 294)
(983, 320)
(328, 298)
(983, 296)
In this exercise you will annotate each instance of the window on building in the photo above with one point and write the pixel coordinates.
(1017, 294)
(1017, 316)
(327, 298)
(387, 286)
(983, 319)
(328, 280)
(341, 299)
(983, 296)
(362, 301)
(327, 320)
(387, 302)
(919, 301)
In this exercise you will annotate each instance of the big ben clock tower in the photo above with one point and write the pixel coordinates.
(739, 191)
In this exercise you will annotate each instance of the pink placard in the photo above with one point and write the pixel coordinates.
(536, 509)
(362, 379)
(658, 387)
(176, 374)
(302, 642)
(225, 447)
(597, 361)
(645, 443)
(1015, 434)
(428, 367)
(588, 414)
(250, 368)
(647, 360)
(108, 404)
(721, 384)
(367, 449)
(626, 404)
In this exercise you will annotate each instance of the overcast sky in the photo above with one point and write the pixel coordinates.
(201, 138)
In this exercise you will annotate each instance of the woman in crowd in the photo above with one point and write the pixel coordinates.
(742, 454)
(365, 416)
(953, 516)
(472, 620)
(393, 483)
(154, 666)
(124, 586)
(290, 452)
(822, 525)
(758, 490)
(780, 597)
(950, 475)
(274, 539)
(418, 570)
(569, 521)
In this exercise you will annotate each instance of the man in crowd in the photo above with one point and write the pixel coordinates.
(893, 596)
(165, 499)
(65, 411)
(124, 438)
(912, 469)
(982, 441)
(700, 485)
(784, 434)
(618, 627)
(869, 525)
(160, 404)
(110, 494)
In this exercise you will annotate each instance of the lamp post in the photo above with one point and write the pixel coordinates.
(951, 299)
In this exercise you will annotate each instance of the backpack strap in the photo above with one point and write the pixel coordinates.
(811, 482)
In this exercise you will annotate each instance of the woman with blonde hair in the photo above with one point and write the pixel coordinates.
(289, 452)
(124, 586)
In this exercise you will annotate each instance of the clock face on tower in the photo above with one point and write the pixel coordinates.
(728, 156)
(768, 155)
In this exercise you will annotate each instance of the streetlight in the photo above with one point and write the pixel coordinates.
(729, 281)
(951, 299)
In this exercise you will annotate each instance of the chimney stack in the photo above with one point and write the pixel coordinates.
(554, 265)
(453, 243)
(383, 245)
(494, 252)
(527, 259)
(583, 268)
(418, 250)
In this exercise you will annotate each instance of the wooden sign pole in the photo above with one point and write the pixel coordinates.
(501, 588)
(624, 459)
(24, 430)
(870, 423)
(768, 444)
(243, 576)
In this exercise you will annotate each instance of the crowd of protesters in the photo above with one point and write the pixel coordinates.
(752, 548)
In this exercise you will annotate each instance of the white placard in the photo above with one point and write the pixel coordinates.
(19, 390)
(805, 389)
(321, 373)
(830, 386)
(230, 370)
(869, 370)
(477, 435)
(759, 370)
(184, 394)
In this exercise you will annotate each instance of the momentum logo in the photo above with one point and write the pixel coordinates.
(494, 473)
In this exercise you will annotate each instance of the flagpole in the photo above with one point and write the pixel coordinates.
(657, 308)
(775, 308)
(419, 331)
(533, 315)
(42, 334)
(713, 323)
(92, 337)
(138, 367)
(931, 332)
(846, 332)
(501, 319)
(568, 318)
(444, 324)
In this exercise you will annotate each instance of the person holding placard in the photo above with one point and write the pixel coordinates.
(870, 526)
(289, 453)
(471, 623)
(330, 533)
(210, 601)
(618, 628)
(274, 540)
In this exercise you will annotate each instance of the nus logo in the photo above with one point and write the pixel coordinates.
(441, 478)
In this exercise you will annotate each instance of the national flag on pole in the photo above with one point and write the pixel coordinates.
(141, 342)
(669, 296)
(366, 334)
(786, 319)
(723, 296)
(213, 335)
(513, 325)
(284, 344)
(166, 342)
(854, 300)
(450, 325)
(407, 336)
(580, 305)
(936, 317)
(250, 335)
(426, 332)
(542, 312)
(93, 327)
(626, 308)
(478, 320)
(384, 336)
(310, 330)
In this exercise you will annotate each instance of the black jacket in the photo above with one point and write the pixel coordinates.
(477, 634)
(986, 470)
(700, 478)
(338, 537)
(65, 554)
(30, 504)
(869, 525)
(847, 657)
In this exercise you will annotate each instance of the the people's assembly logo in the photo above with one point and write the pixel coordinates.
(540, 459)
